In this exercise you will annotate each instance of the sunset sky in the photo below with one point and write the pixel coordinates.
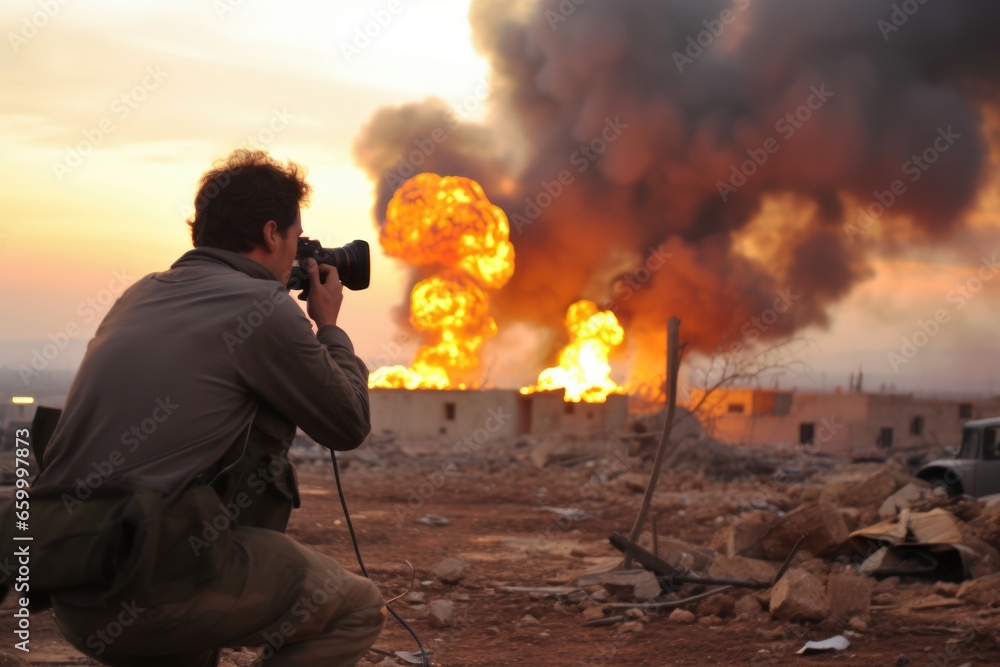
(111, 110)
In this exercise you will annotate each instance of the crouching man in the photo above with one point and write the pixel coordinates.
(197, 377)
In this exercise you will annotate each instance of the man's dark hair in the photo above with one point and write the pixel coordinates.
(240, 195)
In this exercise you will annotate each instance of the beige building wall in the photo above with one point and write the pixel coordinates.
(851, 424)
(452, 413)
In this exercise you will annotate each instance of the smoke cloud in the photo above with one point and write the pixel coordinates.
(701, 158)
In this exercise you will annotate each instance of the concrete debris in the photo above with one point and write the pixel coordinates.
(849, 595)
(743, 537)
(799, 596)
(441, 613)
(903, 499)
(747, 569)
(851, 488)
(449, 571)
(819, 526)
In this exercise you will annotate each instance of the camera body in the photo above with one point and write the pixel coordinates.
(352, 261)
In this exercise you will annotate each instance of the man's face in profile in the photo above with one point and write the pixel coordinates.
(286, 249)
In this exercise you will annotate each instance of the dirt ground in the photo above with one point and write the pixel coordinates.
(503, 524)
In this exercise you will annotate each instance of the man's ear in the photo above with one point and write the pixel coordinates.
(270, 235)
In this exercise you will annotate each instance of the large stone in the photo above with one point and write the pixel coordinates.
(441, 613)
(799, 596)
(820, 524)
(869, 491)
(849, 595)
(747, 608)
(449, 571)
(748, 569)
(743, 538)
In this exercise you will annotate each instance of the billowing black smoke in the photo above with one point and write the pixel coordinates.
(712, 159)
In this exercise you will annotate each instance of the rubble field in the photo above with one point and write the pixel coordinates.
(512, 564)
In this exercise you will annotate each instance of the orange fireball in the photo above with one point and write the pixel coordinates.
(583, 371)
(446, 222)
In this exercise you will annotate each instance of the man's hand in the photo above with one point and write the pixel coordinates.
(326, 293)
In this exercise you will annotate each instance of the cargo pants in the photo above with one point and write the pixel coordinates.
(299, 604)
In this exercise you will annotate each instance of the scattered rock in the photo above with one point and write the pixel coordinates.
(743, 538)
(799, 596)
(441, 613)
(858, 623)
(682, 616)
(449, 571)
(593, 613)
(860, 490)
(492, 631)
(710, 620)
(637, 614)
(849, 595)
(415, 597)
(718, 605)
(820, 524)
(631, 627)
(747, 608)
(737, 567)
(528, 619)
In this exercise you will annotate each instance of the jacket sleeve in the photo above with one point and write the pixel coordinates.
(314, 379)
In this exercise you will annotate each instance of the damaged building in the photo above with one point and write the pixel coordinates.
(497, 412)
(851, 424)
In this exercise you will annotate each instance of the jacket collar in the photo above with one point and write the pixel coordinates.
(234, 260)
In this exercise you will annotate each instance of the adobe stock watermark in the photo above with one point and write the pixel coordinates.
(758, 325)
(99, 641)
(255, 318)
(121, 108)
(627, 285)
(424, 147)
(786, 126)
(88, 310)
(364, 35)
(927, 330)
(130, 441)
(229, 513)
(898, 17)
(462, 452)
(565, 10)
(698, 45)
(31, 25)
(589, 491)
(581, 158)
(915, 167)
(223, 7)
(279, 121)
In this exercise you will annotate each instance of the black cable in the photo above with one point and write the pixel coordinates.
(425, 660)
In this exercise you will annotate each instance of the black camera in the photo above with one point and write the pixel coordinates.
(352, 261)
